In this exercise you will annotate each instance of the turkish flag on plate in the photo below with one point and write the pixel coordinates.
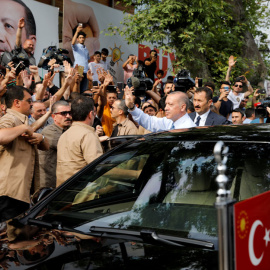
(252, 232)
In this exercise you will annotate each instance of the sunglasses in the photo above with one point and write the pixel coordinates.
(238, 85)
(64, 113)
(28, 100)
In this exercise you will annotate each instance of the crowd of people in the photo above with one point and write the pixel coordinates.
(47, 134)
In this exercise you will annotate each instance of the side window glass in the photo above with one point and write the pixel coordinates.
(120, 179)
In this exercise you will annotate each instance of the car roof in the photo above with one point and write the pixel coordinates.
(251, 132)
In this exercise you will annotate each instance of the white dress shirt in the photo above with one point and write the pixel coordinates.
(203, 118)
(155, 124)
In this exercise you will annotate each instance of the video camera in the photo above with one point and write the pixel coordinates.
(261, 108)
(139, 82)
(19, 59)
(52, 52)
(183, 82)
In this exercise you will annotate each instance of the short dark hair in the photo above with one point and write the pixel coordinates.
(97, 52)
(153, 51)
(190, 107)
(81, 33)
(81, 107)
(160, 71)
(105, 51)
(238, 79)
(30, 24)
(14, 92)
(238, 110)
(169, 79)
(210, 84)
(206, 90)
(249, 112)
(225, 82)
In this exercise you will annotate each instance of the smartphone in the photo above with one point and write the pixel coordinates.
(120, 86)
(261, 91)
(80, 70)
(199, 82)
(226, 88)
(80, 24)
(19, 68)
(111, 88)
(60, 68)
(95, 83)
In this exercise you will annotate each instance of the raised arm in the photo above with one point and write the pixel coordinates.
(42, 120)
(250, 89)
(21, 24)
(8, 135)
(79, 28)
(231, 65)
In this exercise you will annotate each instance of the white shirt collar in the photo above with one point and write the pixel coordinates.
(203, 118)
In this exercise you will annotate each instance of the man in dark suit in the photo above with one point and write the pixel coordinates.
(203, 116)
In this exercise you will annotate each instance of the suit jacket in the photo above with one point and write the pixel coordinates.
(212, 119)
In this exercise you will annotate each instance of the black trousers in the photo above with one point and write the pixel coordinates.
(10, 208)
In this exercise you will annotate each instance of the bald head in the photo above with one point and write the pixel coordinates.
(28, 46)
(176, 105)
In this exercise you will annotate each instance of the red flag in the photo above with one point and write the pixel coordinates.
(252, 233)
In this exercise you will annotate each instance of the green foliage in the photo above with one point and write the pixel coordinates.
(199, 32)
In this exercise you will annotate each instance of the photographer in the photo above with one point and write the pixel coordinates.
(28, 45)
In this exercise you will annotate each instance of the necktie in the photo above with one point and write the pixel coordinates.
(173, 127)
(198, 121)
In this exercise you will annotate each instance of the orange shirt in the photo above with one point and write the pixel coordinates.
(107, 121)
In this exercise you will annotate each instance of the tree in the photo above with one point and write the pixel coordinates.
(201, 33)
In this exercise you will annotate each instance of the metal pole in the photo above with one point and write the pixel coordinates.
(222, 202)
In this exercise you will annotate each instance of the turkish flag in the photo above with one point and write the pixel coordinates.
(252, 232)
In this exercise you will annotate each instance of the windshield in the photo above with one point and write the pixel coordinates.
(168, 187)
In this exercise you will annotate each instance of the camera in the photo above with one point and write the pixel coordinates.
(183, 82)
(52, 52)
(261, 108)
(139, 82)
(20, 60)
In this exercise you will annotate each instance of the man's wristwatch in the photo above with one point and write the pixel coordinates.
(220, 100)
(43, 138)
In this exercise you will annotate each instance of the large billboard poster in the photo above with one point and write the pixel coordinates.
(96, 18)
(46, 21)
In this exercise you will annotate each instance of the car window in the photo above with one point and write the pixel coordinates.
(166, 186)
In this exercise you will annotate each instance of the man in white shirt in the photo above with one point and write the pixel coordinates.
(175, 111)
(96, 66)
(203, 116)
(236, 95)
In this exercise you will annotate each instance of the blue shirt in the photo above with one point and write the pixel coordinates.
(81, 56)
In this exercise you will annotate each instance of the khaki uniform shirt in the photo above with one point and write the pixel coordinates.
(127, 127)
(17, 161)
(48, 159)
(76, 148)
(143, 131)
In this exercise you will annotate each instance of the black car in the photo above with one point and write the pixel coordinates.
(147, 203)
